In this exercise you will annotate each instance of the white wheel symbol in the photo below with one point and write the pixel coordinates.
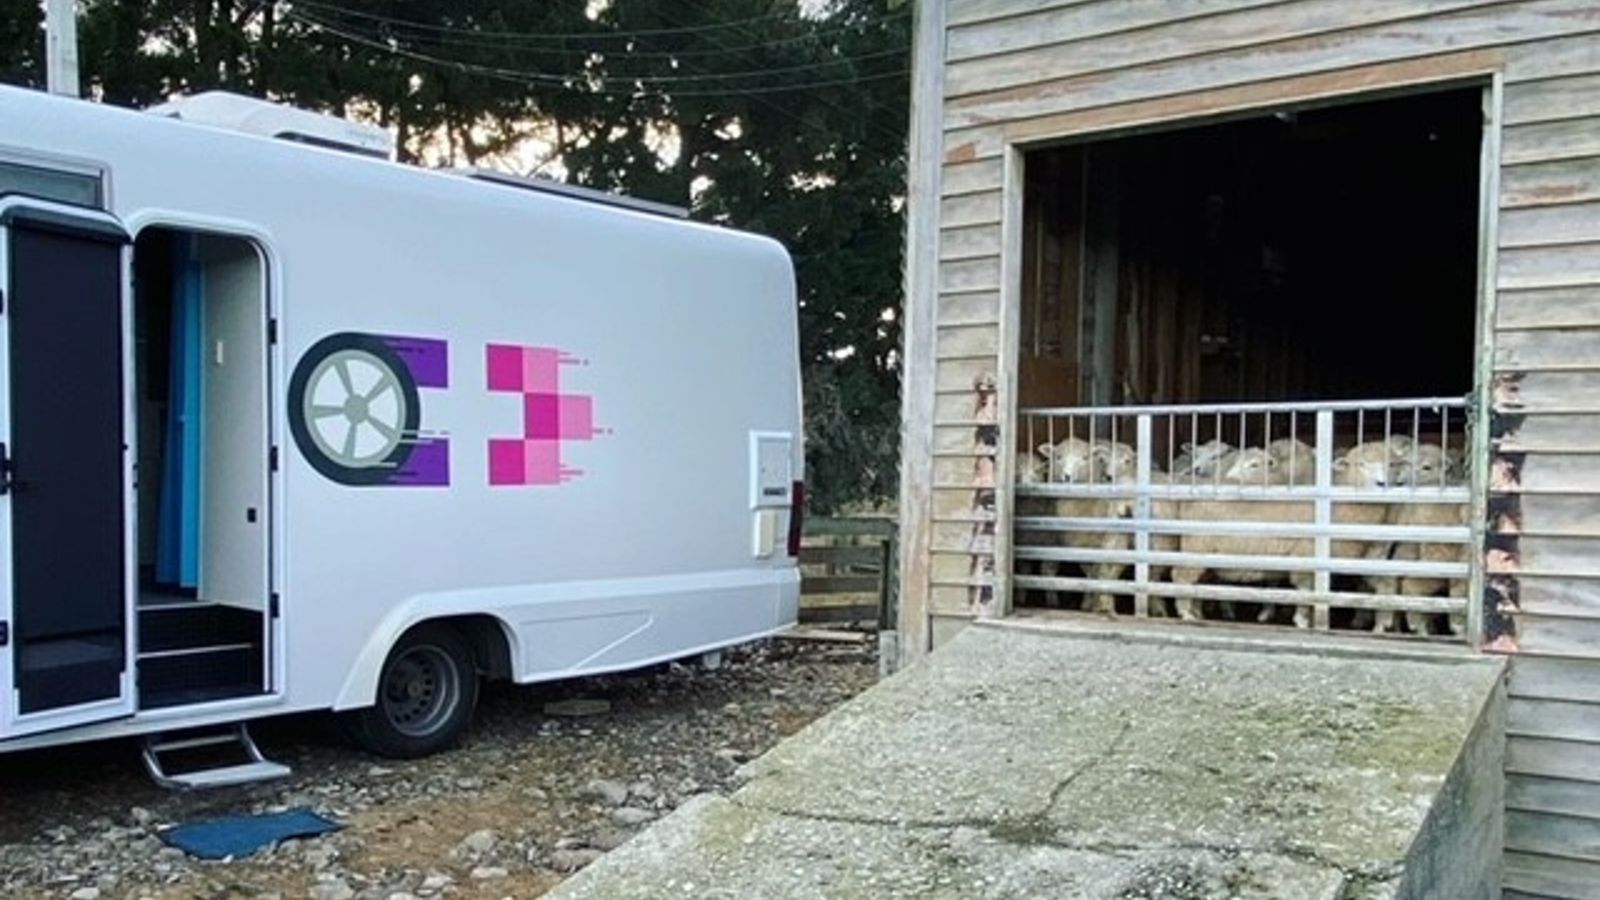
(354, 408)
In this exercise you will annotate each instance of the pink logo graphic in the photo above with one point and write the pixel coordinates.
(549, 417)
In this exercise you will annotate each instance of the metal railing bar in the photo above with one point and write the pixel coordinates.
(1397, 534)
(1219, 409)
(1344, 565)
(1279, 596)
(1260, 493)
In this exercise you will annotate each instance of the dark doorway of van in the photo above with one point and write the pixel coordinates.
(200, 331)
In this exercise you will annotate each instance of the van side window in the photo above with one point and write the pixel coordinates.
(76, 188)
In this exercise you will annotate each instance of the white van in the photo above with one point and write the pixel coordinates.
(287, 427)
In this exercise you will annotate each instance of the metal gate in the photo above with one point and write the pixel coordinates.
(1346, 515)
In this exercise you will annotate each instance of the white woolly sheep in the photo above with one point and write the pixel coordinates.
(1202, 460)
(1428, 465)
(1366, 465)
(1076, 461)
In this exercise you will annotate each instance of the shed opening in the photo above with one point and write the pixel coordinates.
(1301, 284)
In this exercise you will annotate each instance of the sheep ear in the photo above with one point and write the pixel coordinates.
(1045, 450)
(1342, 463)
(1187, 446)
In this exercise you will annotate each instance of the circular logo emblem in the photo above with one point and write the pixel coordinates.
(353, 408)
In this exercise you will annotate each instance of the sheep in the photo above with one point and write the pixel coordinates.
(1366, 465)
(1030, 468)
(1254, 466)
(1075, 461)
(1428, 465)
(1297, 460)
(1067, 462)
(1202, 460)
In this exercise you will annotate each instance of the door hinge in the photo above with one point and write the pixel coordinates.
(273, 607)
(2, 301)
(272, 330)
(5, 633)
(272, 459)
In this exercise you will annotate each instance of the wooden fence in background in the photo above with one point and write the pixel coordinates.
(847, 571)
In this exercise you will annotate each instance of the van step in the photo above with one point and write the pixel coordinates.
(182, 626)
(198, 675)
(228, 776)
(231, 757)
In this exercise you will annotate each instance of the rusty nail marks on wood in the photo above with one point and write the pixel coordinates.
(1505, 514)
(1499, 561)
(1505, 474)
(980, 546)
(1505, 426)
(1507, 391)
(1501, 600)
(1505, 643)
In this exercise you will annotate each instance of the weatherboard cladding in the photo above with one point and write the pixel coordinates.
(1016, 71)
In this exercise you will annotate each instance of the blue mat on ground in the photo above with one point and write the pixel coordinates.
(238, 836)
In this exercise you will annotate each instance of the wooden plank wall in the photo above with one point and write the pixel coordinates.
(1544, 561)
(1017, 71)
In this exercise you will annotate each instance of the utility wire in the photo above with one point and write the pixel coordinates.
(471, 37)
(563, 78)
(552, 36)
(594, 82)
(829, 101)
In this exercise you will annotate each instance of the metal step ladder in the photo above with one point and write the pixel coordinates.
(255, 767)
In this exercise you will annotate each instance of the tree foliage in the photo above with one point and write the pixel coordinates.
(776, 116)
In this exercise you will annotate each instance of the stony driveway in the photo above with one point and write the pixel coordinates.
(528, 798)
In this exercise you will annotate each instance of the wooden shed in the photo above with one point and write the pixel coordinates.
(1220, 221)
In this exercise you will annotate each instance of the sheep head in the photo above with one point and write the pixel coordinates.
(1202, 459)
(1029, 468)
(1114, 462)
(1427, 465)
(1254, 466)
(1366, 465)
(1068, 462)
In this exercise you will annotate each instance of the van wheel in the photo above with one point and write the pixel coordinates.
(426, 693)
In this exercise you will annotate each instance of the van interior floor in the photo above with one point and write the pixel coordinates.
(195, 651)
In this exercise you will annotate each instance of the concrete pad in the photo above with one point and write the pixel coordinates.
(1014, 764)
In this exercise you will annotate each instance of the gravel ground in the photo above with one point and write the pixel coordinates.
(528, 798)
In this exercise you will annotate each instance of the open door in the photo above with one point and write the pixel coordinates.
(66, 476)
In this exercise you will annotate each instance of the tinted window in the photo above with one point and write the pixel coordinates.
(76, 188)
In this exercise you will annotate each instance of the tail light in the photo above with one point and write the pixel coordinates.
(797, 517)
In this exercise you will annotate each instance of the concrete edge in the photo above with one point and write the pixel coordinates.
(1252, 640)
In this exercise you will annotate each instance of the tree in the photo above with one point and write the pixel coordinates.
(768, 115)
(821, 168)
(22, 44)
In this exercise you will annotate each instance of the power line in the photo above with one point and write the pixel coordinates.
(472, 37)
(570, 82)
(824, 98)
(783, 109)
(553, 36)
(562, 78)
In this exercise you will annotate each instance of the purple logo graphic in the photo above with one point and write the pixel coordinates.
(355, 410)
(550, 418)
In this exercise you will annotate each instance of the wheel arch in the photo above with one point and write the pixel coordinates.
(494, 644)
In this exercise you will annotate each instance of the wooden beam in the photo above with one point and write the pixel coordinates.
(1011, 236)
(921, 274)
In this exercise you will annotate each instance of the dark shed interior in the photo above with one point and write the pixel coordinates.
(1327, 253)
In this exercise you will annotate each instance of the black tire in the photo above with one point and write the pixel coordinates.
(427, 690)
(378, 353)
